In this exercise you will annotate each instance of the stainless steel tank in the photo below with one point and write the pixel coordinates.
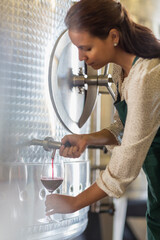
(29, 33)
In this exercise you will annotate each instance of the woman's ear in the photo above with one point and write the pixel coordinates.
(114, 35)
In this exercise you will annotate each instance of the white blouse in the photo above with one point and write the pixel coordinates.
(141, 91)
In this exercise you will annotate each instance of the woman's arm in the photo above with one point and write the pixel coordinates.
(103, 137)
(56, 203)
(80, 142)
(89, 196)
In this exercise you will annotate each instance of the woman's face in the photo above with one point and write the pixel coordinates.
(93, 50)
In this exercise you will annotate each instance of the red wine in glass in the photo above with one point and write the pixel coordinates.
(52, 176)
(51, 184)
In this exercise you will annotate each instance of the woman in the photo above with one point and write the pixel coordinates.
(104, 33)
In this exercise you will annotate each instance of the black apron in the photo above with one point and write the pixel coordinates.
(151, 167)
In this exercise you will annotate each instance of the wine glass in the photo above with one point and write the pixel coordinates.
(51, 177)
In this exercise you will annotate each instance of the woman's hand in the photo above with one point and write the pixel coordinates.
(78, 144)
(57, 203)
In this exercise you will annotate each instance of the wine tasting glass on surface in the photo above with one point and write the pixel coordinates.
(51, 177)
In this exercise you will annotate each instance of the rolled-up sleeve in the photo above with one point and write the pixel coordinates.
(142, 94)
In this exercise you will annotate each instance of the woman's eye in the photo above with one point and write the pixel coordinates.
(86, 49)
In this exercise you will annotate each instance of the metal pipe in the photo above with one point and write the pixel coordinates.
(48, 143)
(100, 80)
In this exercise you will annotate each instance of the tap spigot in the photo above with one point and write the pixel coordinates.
(48, 143)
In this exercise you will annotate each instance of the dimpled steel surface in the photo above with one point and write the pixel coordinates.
(28, 32)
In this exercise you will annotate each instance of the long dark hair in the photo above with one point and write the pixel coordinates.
(98, 17)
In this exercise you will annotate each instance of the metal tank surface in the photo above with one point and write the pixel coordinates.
(29, 31)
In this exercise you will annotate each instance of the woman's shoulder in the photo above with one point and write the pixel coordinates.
(145, 76)
(146, 71)
(148, 65)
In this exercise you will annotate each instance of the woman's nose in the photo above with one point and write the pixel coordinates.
(82, 56)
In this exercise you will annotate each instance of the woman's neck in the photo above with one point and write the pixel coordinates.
(125, 60)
